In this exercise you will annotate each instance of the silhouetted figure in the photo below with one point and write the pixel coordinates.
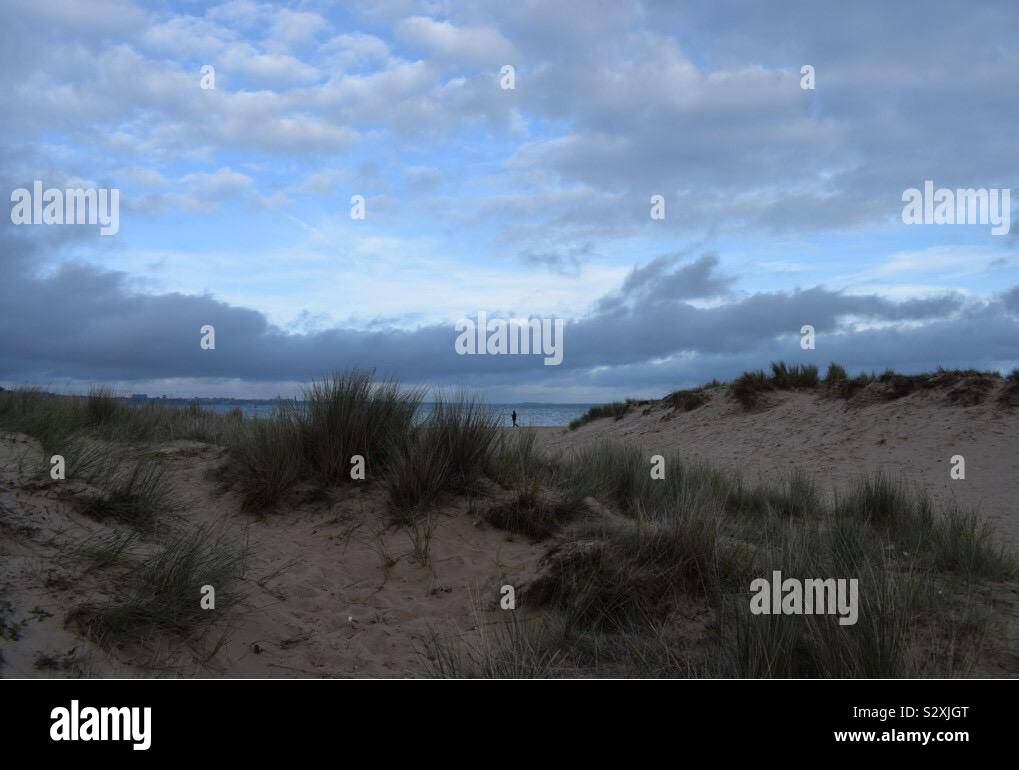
(514, 416)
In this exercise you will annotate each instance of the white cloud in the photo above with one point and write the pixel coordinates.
(466, 46)
(296, 27)
(942, 260)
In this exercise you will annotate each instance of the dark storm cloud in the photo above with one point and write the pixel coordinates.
(655, 283)
(1011, 300)
(82, 323)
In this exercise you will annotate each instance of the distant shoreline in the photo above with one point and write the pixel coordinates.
(529, 415)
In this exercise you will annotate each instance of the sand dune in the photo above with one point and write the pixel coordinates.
(331, 588)
(911, 438)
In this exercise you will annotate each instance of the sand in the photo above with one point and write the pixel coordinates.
(331, 590)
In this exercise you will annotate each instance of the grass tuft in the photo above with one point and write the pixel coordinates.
(265, 460)
(616, 410)
(350, 414)
(749, 387)
(161, 595)
(138, 494)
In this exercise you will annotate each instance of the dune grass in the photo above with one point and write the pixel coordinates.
(688, 400)
(460, 428)
(129, 485)
(265, 459)
(517, 459)
(540, 501)
(617, 590)
(535, 511)
(965, 386)
(447, 453)
(152, 565)
(159, 594)
(54, 419)
(616, 410)
(309, 441)
(786, 377)
(611, 575)
(749, 387)
(417, 475)
(101, 551)
(351, 414)
(314, 440)
(514, 648)
(135, 493)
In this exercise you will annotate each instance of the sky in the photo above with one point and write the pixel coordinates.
(782, 204)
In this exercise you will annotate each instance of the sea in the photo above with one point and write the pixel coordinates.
(528, 414)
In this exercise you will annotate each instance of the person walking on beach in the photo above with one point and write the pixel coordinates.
(514, 416)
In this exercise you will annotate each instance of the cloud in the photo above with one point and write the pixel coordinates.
(196, 192)
(464, 46)
(82, 323)
(537, 194)
(296, 27)
(356, 50)
(566, 262)
(697, 280)
(645, 99)
(1010, 299)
